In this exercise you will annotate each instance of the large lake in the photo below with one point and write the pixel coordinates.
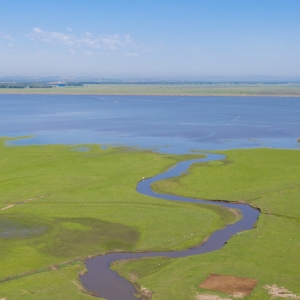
(174, 124)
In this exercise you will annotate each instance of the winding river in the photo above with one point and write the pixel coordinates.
(105, 283)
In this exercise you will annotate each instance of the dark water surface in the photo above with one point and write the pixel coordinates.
(107, 284)
(174, 124)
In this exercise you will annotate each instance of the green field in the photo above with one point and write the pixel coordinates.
(59, 204)
(266, 178)
(217, 89)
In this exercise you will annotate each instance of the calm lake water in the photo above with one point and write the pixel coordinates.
(173, 124)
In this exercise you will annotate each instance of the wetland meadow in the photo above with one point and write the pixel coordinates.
(70, 165)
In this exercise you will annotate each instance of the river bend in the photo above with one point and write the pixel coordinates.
(105, 283)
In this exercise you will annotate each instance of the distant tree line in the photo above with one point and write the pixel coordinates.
(12, 86)
(31, 85)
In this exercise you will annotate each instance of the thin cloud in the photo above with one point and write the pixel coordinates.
(127, 38)
(51, 37)
(5, 36)
(115, 41)
(87, 39)
(132, 54)
(88, 34)
(69, 29)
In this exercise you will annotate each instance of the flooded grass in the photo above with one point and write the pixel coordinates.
(15, 229)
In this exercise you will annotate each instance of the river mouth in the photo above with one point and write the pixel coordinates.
(102, 282)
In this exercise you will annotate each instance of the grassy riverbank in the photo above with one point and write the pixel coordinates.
(201, 89)
(266, 178)
(58, 203)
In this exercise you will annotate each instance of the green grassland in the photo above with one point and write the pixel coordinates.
(216, 89)
(63, 204)
(265, 178)
(59, 203)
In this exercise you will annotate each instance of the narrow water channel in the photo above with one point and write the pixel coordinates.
(105, 283)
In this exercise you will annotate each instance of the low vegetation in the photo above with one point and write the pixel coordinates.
(265, 178)
(59, 205)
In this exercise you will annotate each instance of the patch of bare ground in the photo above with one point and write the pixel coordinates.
(132, 277)
(280, 292)
(145, 294)
(239, 287)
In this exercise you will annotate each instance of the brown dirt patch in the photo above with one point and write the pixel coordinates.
(236, 286)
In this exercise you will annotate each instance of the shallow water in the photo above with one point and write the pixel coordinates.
(102, 281)
(10, 229)
(173, 124)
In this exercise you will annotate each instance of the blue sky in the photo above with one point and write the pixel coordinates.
(129, 38)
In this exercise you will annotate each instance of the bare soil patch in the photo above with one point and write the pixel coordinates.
(145, 294)
(236, 286)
